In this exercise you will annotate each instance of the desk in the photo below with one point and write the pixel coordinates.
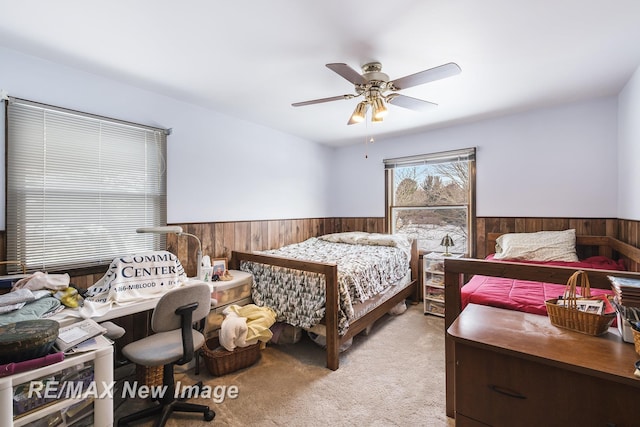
(102, 359)
(68, 316)
(515, 368)
(226, 292)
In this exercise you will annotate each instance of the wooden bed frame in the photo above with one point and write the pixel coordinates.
(459, 271)
(330, 271)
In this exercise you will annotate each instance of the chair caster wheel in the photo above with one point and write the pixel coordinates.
(209, 415)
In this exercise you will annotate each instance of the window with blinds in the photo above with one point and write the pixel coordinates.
(79, 185)
(433, 195)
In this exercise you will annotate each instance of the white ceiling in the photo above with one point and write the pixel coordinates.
(253, 58)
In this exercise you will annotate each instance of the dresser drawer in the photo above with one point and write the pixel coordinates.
(502, 390)
(492, 389)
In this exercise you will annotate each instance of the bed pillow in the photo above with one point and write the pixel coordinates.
(540, 246)
(372, 239)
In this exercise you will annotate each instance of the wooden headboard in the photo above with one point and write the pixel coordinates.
(592, 245)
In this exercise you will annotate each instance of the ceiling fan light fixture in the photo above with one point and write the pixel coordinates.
(373, 84)
(359, 112)
(379, 109)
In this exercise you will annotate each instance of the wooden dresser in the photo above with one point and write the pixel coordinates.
(516, 369)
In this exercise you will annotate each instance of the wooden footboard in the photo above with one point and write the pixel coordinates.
(330, 271)
(459, 271)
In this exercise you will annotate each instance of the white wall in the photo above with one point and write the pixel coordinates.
(629, 149)
(556, 162)
(219, 168)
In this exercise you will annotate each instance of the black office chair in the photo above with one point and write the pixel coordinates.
(174, 343)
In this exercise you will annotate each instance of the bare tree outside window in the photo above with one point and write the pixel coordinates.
(431, 200)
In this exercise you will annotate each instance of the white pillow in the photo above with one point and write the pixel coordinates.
(540, 246)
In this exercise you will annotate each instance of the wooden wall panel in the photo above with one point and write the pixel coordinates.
(583, 226)
(629, 232)
(219, 239)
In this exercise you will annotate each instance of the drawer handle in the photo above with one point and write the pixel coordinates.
(507, 392)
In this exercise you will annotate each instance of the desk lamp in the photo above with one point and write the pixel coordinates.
(446, 242)
(170, 229)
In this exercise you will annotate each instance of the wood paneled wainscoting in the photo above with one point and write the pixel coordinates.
(220, 238)
(629, 232)
(583, 226)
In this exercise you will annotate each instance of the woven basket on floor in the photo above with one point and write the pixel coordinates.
(219, 361)
(569, 317)
(149, 375)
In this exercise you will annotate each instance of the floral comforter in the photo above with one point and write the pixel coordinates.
(368, 264)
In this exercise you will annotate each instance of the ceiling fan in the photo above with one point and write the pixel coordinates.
(376, 89)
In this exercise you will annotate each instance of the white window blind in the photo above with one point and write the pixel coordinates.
(79, 185)
(431, 159)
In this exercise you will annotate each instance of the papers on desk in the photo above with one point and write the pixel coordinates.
(95, 343)
(77, 333)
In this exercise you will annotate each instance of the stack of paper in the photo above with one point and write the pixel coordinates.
(73, 336)
(627, 299)
(626, 290)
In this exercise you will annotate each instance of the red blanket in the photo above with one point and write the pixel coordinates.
(524, 295)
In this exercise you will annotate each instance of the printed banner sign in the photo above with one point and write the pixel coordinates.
(133, 278)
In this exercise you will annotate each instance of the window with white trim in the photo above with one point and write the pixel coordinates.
(432, 195)
(79, 185)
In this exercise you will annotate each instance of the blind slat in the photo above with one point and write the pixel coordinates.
(79, 185)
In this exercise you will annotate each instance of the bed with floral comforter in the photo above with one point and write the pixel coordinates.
(367, 264)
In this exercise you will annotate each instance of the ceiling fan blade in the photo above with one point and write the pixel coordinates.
(347, 72)
(426, 76)
(410, 103)
(321, 100)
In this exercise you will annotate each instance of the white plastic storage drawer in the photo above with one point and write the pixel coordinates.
(236, 289)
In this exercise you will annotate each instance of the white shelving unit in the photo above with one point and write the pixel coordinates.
(102, 361)
(433, 282)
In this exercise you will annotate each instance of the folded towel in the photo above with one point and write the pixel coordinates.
(233, 332)
(37, 309)
(259, 320)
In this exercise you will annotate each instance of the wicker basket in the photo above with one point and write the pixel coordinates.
(636, 340)
(220, 361)
(569, 317)
(149, 375)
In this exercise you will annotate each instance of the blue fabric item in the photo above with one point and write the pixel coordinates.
(31, 311)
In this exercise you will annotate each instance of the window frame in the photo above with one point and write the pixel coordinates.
(432, 158)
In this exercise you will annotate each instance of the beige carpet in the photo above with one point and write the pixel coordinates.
(392, 377)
